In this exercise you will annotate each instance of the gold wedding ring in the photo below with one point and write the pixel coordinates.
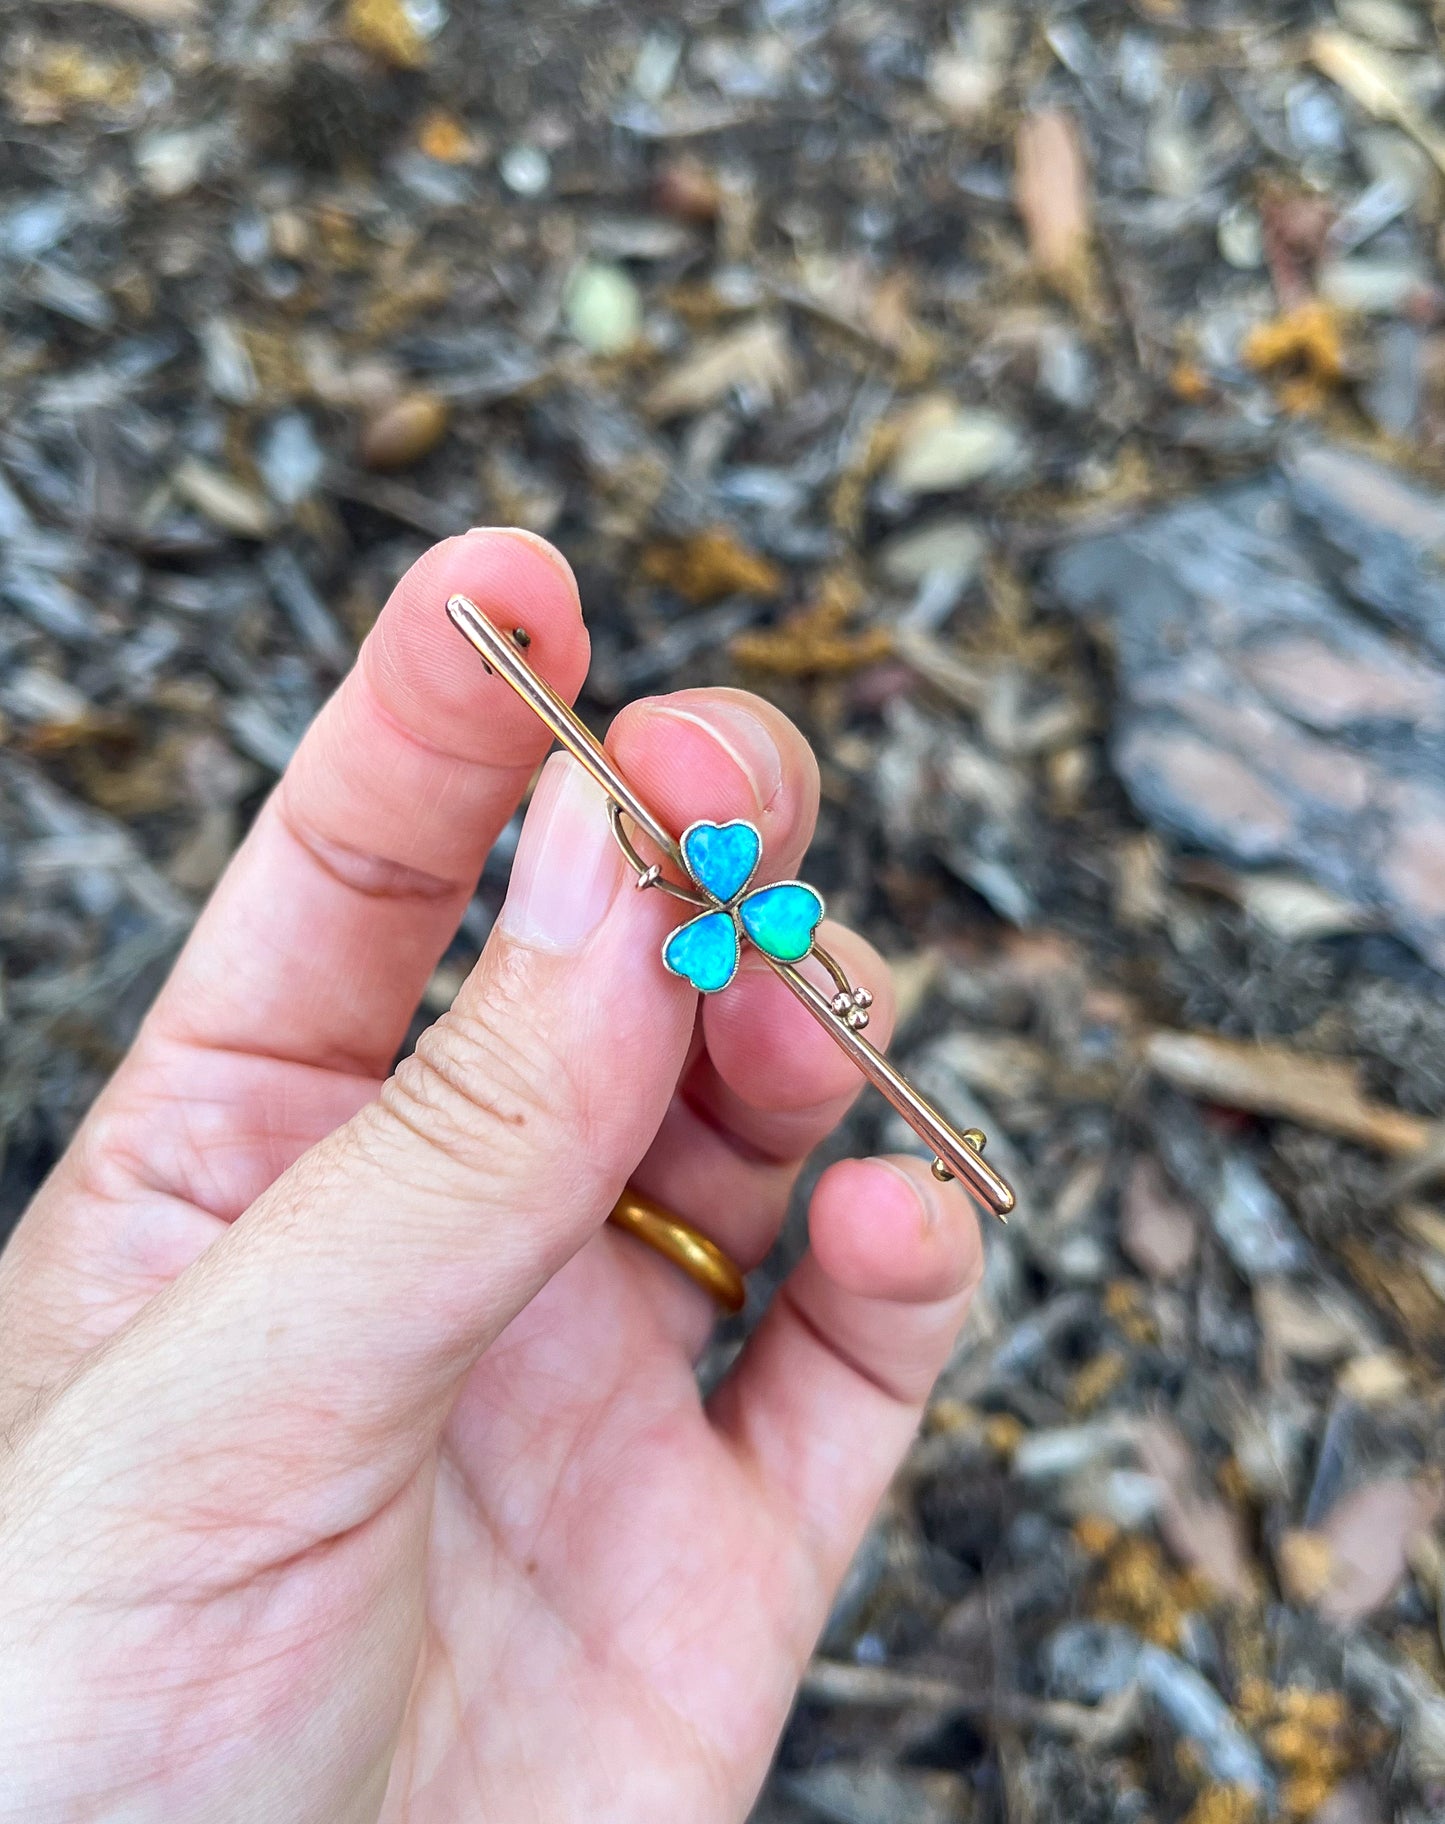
(702, 1260)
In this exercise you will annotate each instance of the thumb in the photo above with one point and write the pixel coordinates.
(304, 1365)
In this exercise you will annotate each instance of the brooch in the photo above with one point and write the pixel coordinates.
(780, 919)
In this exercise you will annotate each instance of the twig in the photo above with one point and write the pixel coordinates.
(835, 1681)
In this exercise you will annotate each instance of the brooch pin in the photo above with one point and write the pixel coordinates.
(780, 919)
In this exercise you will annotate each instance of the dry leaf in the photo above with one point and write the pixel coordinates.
(1200, 1530)
(403, 431)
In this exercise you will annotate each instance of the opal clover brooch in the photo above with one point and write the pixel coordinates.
(780, 918)
(721, 858)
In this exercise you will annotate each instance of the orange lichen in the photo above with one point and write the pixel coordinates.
(1095, 1534)
(443, 137)
(709, 565)
(1223, 1805)
(1136, 1586)
(1312, 1738)
(947, 1417)
(818, 639)
(1096, 1380)
(1003, 1433)
(1189, 382)
(1303, 350)
(55, 81)
(1124, 1305)
(388, 31)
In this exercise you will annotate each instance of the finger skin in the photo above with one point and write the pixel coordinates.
(771, 1085)
(321, 936)
(365, 1281)
(827, 1393)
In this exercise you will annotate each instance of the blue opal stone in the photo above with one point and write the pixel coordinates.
(704, 951)
(721, 856)
(781, 919)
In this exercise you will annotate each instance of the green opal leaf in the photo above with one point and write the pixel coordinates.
(781, 919)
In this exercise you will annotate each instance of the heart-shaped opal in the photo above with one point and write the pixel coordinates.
(782, 919)
(721, 856)
(704, 951)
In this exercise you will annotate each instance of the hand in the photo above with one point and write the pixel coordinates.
(354, 1468)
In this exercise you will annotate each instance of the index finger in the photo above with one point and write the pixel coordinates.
(320, 939)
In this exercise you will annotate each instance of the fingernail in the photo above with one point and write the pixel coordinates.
(567, 866)
(539, 544)
(742, 736)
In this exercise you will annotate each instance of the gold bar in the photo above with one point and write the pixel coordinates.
(567, 727)
(951, 1150)
(946, 1143)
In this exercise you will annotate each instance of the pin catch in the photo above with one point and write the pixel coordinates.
(779, 919)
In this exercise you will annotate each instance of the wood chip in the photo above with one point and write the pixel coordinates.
(832, 1681)
(1305, 1324)
(755, 357)
(155, 12)
(1378, 83)
(1286, 904)
(1201, 1531)
(1321, 1093)
(1051, 189)
(225, 501)
(1368, 1533)
(1158, 1230)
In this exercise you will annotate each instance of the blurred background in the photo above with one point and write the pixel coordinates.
(1045, 405)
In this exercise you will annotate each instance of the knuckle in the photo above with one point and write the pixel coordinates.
(480, 1086)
